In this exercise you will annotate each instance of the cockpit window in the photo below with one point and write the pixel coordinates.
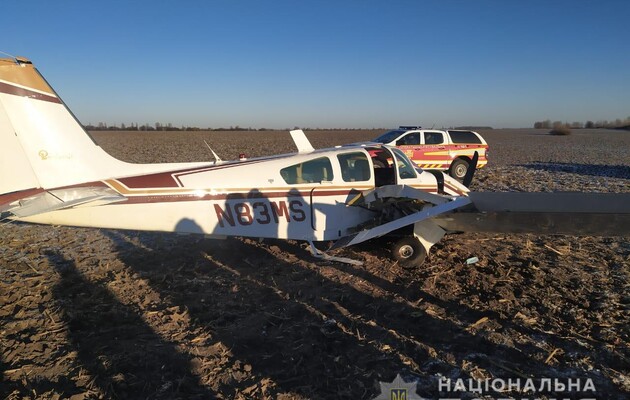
(313, 171)
(354, 167)
(406, 169)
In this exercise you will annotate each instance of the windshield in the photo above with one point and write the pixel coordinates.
(406, 169)
(389, 136)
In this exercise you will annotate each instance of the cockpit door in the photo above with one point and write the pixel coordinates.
(384, 166)
(404, 167)
(331, 214)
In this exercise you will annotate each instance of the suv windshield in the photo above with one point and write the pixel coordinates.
(389, 136)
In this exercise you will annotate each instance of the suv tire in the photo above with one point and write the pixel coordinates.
(458, 170)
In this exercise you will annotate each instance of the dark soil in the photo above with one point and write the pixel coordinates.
(89, 313)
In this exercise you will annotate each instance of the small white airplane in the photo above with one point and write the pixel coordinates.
(52, 172)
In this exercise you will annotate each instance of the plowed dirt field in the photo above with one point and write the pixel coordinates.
(90, 313)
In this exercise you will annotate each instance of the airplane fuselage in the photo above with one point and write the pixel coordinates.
(294, 196)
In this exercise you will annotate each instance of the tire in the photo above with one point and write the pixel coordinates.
(408, 252)
(458, 170)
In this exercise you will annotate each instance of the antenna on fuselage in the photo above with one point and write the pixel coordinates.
(10, 55)
(217, 159)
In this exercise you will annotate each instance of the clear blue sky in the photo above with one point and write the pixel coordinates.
(329, 63)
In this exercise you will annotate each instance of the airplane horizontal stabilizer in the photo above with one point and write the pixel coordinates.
(59, 199)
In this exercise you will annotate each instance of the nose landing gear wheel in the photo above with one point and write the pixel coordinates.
(408, 252)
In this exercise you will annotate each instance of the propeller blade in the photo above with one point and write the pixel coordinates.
(471, 170)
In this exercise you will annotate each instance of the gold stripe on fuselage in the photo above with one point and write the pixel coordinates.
(126, 191)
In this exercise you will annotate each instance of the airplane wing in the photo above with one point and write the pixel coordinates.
(583, 214)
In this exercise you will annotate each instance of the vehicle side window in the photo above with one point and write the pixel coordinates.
(313, 171)
(464, 137)
(433, 138)
(354, 167)
(411, 139)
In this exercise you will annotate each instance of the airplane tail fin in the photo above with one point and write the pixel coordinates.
(42, 145)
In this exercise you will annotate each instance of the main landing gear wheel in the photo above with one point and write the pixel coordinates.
(408, 252)
(459, 168)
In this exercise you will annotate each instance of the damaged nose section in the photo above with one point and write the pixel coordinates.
(411, 219)
(414, 208)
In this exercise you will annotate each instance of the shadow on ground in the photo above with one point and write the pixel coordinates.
(122, 356)
(311, 329)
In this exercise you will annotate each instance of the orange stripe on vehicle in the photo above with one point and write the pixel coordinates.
(436, 153)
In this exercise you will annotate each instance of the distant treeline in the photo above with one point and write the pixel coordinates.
(102, 126)
(616, 124)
